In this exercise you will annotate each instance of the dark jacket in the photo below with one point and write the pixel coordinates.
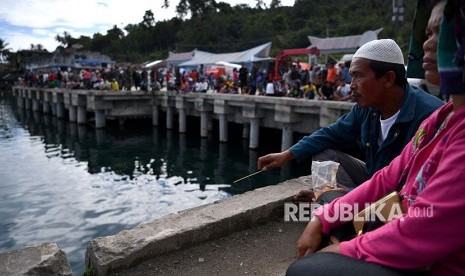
(359, 129)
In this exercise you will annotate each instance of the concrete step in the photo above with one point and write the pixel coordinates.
(266, 249)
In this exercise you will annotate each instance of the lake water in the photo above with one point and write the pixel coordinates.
(64, 183)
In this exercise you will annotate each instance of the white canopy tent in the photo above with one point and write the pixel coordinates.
(259, 53)
(343, 44)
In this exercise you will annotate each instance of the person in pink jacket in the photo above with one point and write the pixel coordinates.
(428, 238)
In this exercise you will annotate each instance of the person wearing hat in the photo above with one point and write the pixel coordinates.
(387, 113)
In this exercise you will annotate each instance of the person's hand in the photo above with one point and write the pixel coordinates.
(273, 160)
(305, 196)
(310, 239)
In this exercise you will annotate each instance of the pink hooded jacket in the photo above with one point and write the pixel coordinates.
(432, 233)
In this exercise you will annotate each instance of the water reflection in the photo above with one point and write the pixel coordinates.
(70, 183)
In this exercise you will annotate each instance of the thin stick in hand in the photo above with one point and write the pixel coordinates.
(252, 174)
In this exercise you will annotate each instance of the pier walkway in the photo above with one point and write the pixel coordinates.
(253, 112)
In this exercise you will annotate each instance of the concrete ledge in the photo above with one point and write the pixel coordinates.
(190, 227)
(43, 259)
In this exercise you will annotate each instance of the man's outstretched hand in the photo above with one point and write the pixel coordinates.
(274, 160)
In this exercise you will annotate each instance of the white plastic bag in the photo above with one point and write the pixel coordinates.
(323, 176)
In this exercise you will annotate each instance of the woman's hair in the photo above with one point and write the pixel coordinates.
(380, 68)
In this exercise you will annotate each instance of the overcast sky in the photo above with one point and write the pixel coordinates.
(26, 22)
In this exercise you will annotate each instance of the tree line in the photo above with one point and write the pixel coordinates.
(219, 27)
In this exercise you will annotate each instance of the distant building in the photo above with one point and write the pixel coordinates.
(60, 59)
(20, 60)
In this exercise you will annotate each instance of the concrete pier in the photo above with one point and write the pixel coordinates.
(28, 104)
(155, 115)
(72, 114)
(54, 109)
(252, 112)
(204, 124)
(20, 102)
(287, 139)
(100, 120)
(35, 105)
(182, 120)
(81, 115)
(223, 128)
(254, 133)
(60, 111)
(169, 117)
(46, 107)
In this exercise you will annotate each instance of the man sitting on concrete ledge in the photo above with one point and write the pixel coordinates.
(385, 118)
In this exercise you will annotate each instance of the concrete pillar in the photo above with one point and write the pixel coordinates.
(100, 136)
(73, 132)
(35, 105)
(47, 120)
(54, 109)
(210, 123)
(82, 133)
(100, 121)
(45, 107)
(28, 103)
(72, 114)
(54, 122)
(20, 101)
(36, 116)
(182, 120)
(245, 131)
(61, 126)
(203, 149)
(81, 115)
(60, 111)
(155, 114)
(254, 133)
(169, 117)
(204, 124)
(223, 128)
(286, 141)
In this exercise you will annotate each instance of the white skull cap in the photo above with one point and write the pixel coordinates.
(384, 50)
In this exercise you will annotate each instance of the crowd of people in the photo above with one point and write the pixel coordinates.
(318, 83)
(114, 79)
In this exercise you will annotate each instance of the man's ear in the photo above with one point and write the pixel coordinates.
(390, 78)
